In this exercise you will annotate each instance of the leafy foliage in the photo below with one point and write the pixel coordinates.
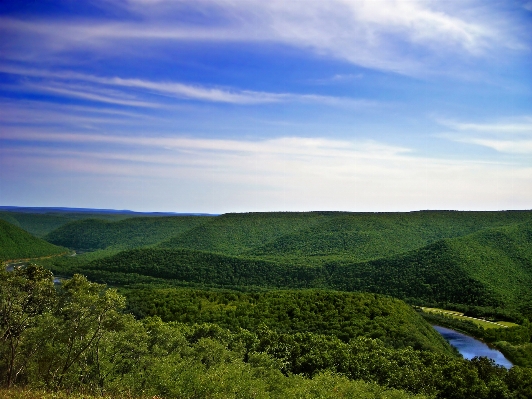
(343, 315)
(78, 339)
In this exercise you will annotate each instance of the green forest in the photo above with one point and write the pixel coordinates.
(311, 304)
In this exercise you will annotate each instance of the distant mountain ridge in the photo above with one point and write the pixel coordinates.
(94, 210)
(40, 221)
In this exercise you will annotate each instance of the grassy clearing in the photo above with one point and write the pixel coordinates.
(508, 323)
(479, 322)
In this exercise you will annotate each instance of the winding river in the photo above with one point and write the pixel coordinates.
(470, 347)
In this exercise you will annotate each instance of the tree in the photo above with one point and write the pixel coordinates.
(84, 314)
(54, 335)
(25, 295)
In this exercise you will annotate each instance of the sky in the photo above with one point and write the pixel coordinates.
(222, 106)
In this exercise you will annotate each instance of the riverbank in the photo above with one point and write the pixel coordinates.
(470, 347)
(480, 322)
(513, 342)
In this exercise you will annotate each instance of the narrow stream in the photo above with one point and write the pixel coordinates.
(470, 347)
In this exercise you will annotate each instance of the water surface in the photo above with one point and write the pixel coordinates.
(470, 347)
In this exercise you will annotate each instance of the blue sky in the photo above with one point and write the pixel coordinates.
(235, 106)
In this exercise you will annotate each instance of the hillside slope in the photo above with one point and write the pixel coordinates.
(198, 267)
(501, 259)
(16, 243)
(313, 238)
(236, 233)
(92, 234)
(491, 268)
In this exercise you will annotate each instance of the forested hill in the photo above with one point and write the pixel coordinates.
(41, 221)
(16, 243)
(340, 314)
(500, 259)
(470, 258)
(93, 234)
(221, 344)
(315, 237)
(305, 237)
(40, 224)
(492, 267)
(237, 233)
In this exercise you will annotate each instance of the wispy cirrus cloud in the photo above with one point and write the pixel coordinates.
(64, 83)
(519, 126)
(311, 147)
(408, 37)
(87, 93)
(45, 113)
(509, 136)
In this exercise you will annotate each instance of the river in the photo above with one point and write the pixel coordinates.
(470, 347)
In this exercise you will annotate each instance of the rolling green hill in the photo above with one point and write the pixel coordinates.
(500, 259)
(313, 238)
(296, 344)
(236, 233)
(40, 224)
(190, 266)
(360, 237)
(490, 268)
(306, 289)
(93, 234)
(16, 243)
(441, 257)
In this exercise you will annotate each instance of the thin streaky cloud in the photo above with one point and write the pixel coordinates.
(267, 105)
(175, 89)
(515, 147)
(362, 32)
(282, 145)
(50, 115)
(85, 94)
(511, 136)
(518, 127)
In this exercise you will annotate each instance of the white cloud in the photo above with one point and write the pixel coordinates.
(509, 136)
(504, 146)
(68, 88)
(40, 113)
(311, 147)
(521, 126)
(391, 35)
(87, 93)
(287, 173)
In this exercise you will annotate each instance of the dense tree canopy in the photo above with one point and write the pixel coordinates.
(75, 336)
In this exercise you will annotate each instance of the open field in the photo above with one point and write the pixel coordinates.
(480, 322)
